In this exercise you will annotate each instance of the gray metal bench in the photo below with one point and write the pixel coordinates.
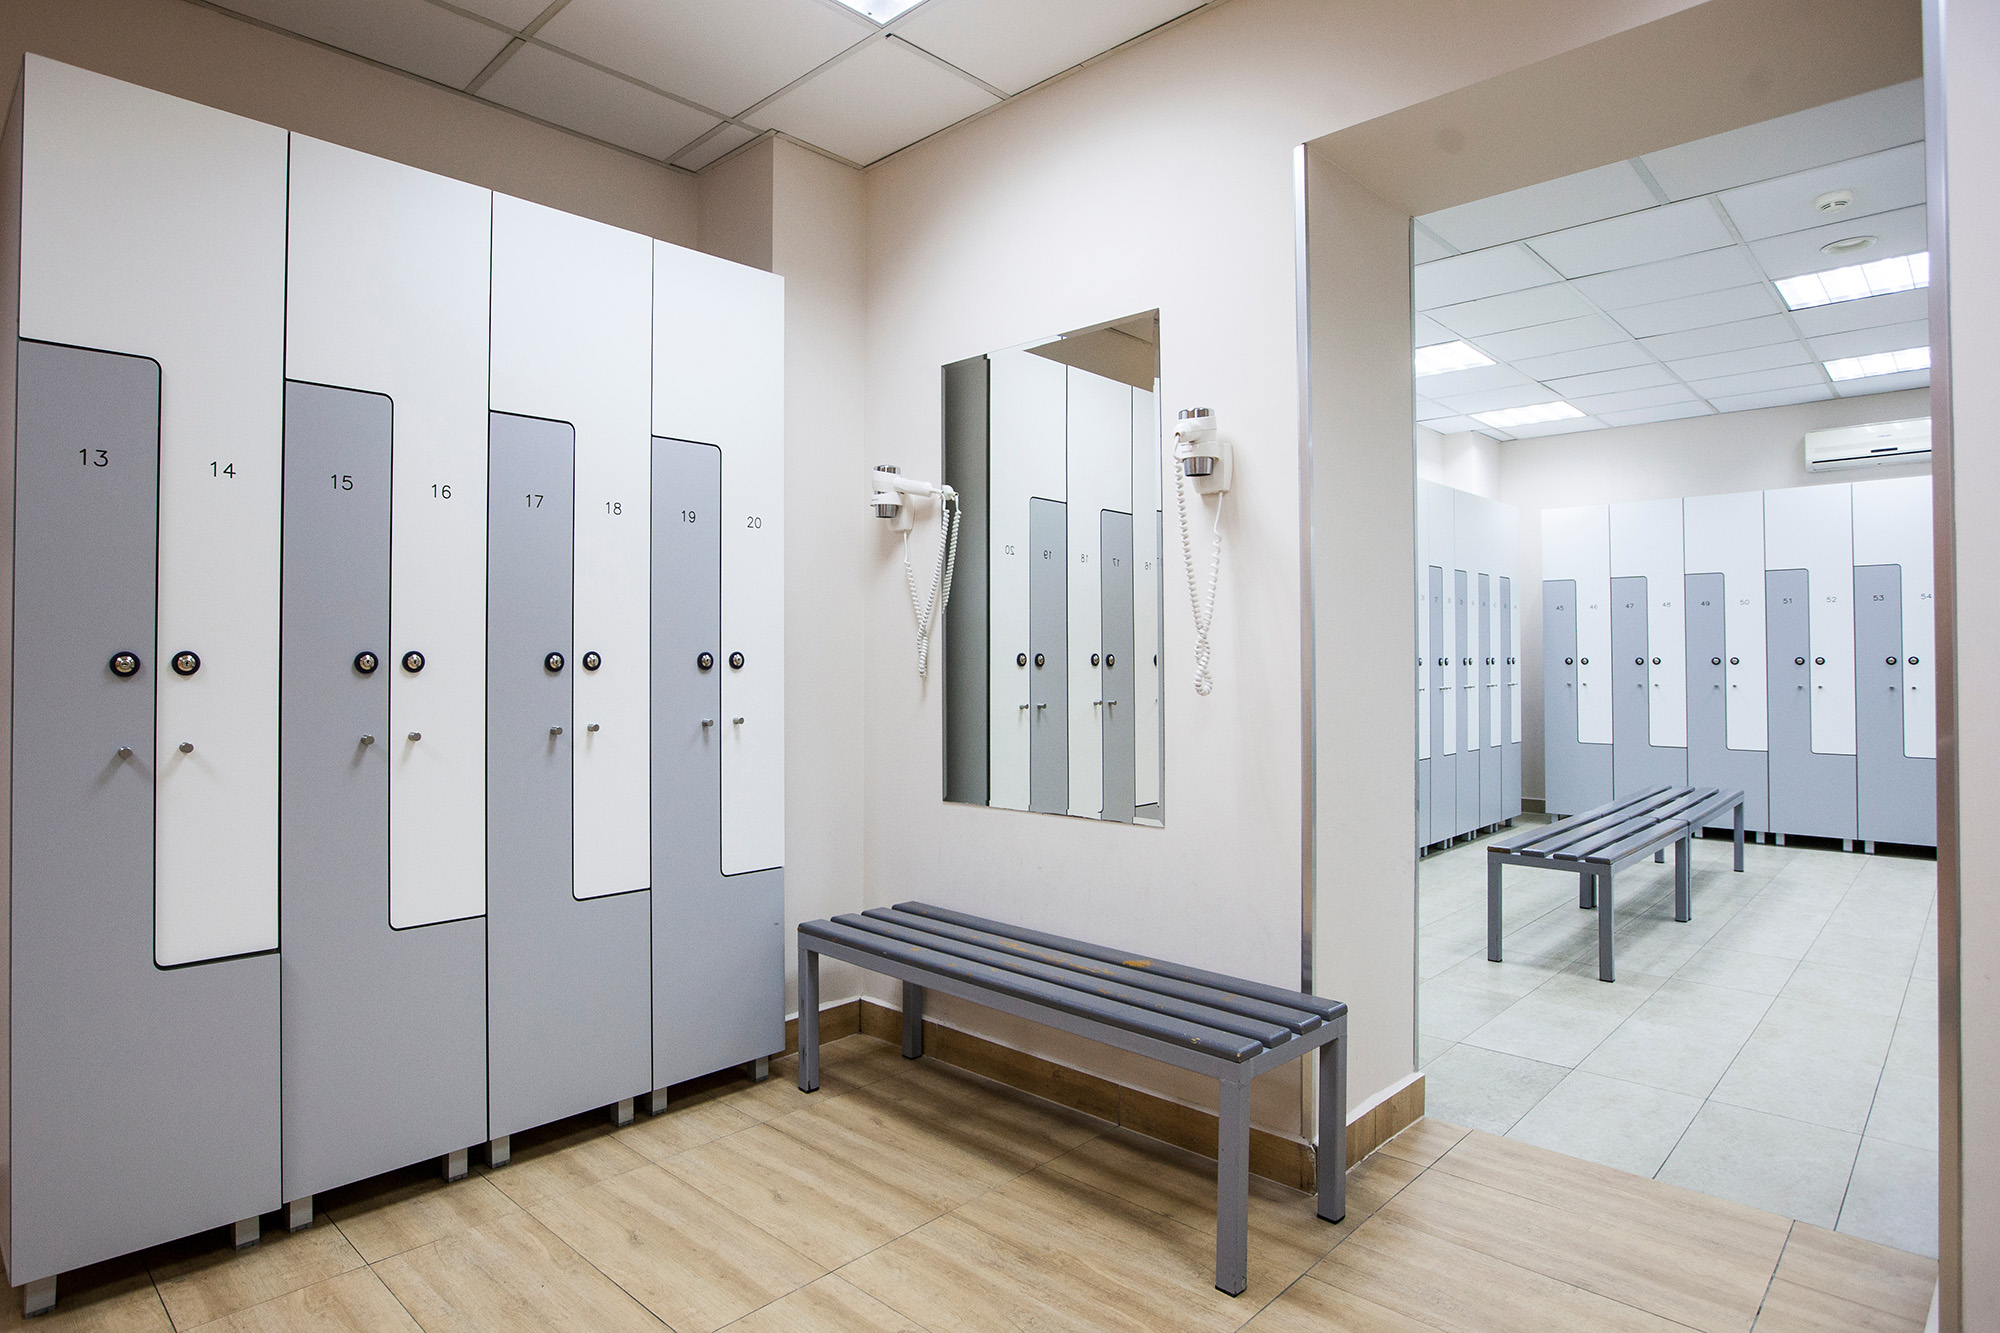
(1229, 1029)
(1597, 844)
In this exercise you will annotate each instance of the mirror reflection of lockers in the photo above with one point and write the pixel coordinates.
(1053, 635)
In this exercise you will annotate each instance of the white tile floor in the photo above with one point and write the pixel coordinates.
(1780, 1049)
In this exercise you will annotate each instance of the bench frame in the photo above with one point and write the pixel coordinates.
(1232, 1189)
(1637, 827)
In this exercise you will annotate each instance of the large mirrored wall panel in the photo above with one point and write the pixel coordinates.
(1149, 722)
(968, 629)
(383, 1030)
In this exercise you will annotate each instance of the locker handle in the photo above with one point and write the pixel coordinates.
(187, 747)
(124, 752)
(367, 740)
(416, 735)
(737, 720)
(555, 731)
(709, 721)
(591, 727)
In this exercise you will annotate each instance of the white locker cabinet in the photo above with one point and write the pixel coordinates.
(1148, 603)
(1576, 646)
(718, 378)
(387, 292)
(142, 1101)
(1894, 623)
(1026, 425)
(1723, 540)
(1100, 480)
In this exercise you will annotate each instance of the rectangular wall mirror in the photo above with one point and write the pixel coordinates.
(1053, 635)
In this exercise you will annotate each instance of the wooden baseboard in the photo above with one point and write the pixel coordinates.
(1272, 1156)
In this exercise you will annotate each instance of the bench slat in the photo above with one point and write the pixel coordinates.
(1063, 999)
(1326, 1009)
(1522, 842)
(1570, 838)
(1664, 823)
(1297, 1020)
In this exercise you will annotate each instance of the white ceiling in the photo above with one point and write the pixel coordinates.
(1643, 291)
(687, 81)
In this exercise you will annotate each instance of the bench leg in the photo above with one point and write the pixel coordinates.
(1684, 880)
(913, 1020)
(1659, 856)
(1333, 1129)
(1493, 868)
(1739, 837)
(1606, 926)
(808, 1018)
(1586, 890)
(1232, 1190)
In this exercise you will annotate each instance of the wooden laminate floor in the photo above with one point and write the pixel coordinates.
(910, 1196)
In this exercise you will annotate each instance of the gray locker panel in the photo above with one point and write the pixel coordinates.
(1636, 763)
(1810, 793)
(1576, 776)
(1710, 761)
(968, 723)
(145, 1099)
(1486, 667)
(1048, 656)
(1423, 802)
(1465, 813)
(1443, 766)
(569, 983)
(1895, 795)
(1115, 682)
(384, 1051)
(1510, 744)
(718, 942)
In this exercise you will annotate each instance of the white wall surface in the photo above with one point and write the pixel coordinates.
(1464, 460)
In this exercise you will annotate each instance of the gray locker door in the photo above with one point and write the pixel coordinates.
(1444, 767)
(1486, 666)
(1114, 566)
(1810, 793)
(1048, 656)
(384, 1050)
(1465, 815)
(718, 942)
(1636, 763)
(569, 983)
(1896, 795)
(1576, 776)
(1710, 761)
(1510, 744)
(144, 1099)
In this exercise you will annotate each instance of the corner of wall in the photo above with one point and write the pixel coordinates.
(734, 213)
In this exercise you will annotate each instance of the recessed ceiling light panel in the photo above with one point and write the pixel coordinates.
(1535, 415)
(881, 10)
(1900, 273)
(1879, 363)
(1440, 358)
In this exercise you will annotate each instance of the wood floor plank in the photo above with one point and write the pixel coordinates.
(1425, 1141)
(848, 1065)
(114, 1297)
(205, 1278)
(562, 1158)
(1791, 1308)
(1861, 1271)
(1016, 1132)
(414, 1212)
(355, 1302)
(1315, 1307)
(510, 1275)
(681, 1127)
(829, 1305)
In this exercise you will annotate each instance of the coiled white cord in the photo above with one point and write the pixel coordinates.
(928, 609)
(1203, 617)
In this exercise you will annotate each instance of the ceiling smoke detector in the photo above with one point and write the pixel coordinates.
(1834, 201)
(1847, 245)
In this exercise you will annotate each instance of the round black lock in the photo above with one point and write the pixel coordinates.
(1736, 661)
(1638, 661)
(413, 661)
(736, 661)
(1890, 661)
(1798, 661)
(1569, 661)
(1586, 661)
(1020, 659)
(1715, 661)
(1913, 661)
(1093, 659)
(365, 662)
(1041, 660)
(1656, 661)
(1819, 661)
(705, 661)
(124, 665)
(186, 663)
(553, 662)
(1111, 659)
(591, 661)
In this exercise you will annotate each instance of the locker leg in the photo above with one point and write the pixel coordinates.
(38, 1297)
(1780, 838)
(499, 1151)
(457, 1163)
(757, 1070)
(247, 1232)
(1493, 868)
(1847, 844)
(1605, 927)
(299, 1214)
(1760, 837)
(656, 1102)
(621, 1111)
(1868, 846)
(913, 1020)
(1684, 880)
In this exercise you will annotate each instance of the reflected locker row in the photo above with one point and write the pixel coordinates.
(397, 670)
(1776, 641)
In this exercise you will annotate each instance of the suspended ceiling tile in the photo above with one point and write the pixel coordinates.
(724, 56)
(1867, 123)
(1568, 427)
(1660, 395)
(1507, 268)
(1742, 361)
(1588, 196)
(1458, 425)
(408, 34)
(1759, 381)
(1426, 331)
(1612, 381)
(1526, 395)
(1695, 312)
(1900, 233)
(1498, 376)
(1547, 339)
(556, 88)
(723, 142)
(1862, 342)
(1913, 379)
(1705, 271)
(1584, 361)
(1636, 238)
(1512, 310)
(1721, 338)
(1866, 313)
(1645, 416)
(1881, 182)
(516, 14)
(885, 96)
(1015, 44)
(1424, 247)
(1748, 402)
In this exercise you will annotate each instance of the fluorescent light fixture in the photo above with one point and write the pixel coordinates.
(1901, 273)
(1441, 358)
(1509, 417)
(1879, 363)
(881, 10)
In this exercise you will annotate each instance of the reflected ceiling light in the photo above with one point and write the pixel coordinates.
(1509, 417)
(1439, 358)
(1901, 273)
(1879, 363)
(880, 10)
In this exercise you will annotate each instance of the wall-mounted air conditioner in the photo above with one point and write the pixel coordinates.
(1869, 446)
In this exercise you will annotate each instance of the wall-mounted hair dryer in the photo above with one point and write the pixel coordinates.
(1208, 464)
(895, 499)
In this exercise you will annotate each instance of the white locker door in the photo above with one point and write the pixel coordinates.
(1146, 599)
(1421, 573)
(1443, 554)
(572, 342)
(1028, 406)
(719, 378)
(1100, 478)
(1892, 526)
(1812, 528)
(1724, 534)
(156, 227)
(1646, 543)
(387, 292)
(1576, 544)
